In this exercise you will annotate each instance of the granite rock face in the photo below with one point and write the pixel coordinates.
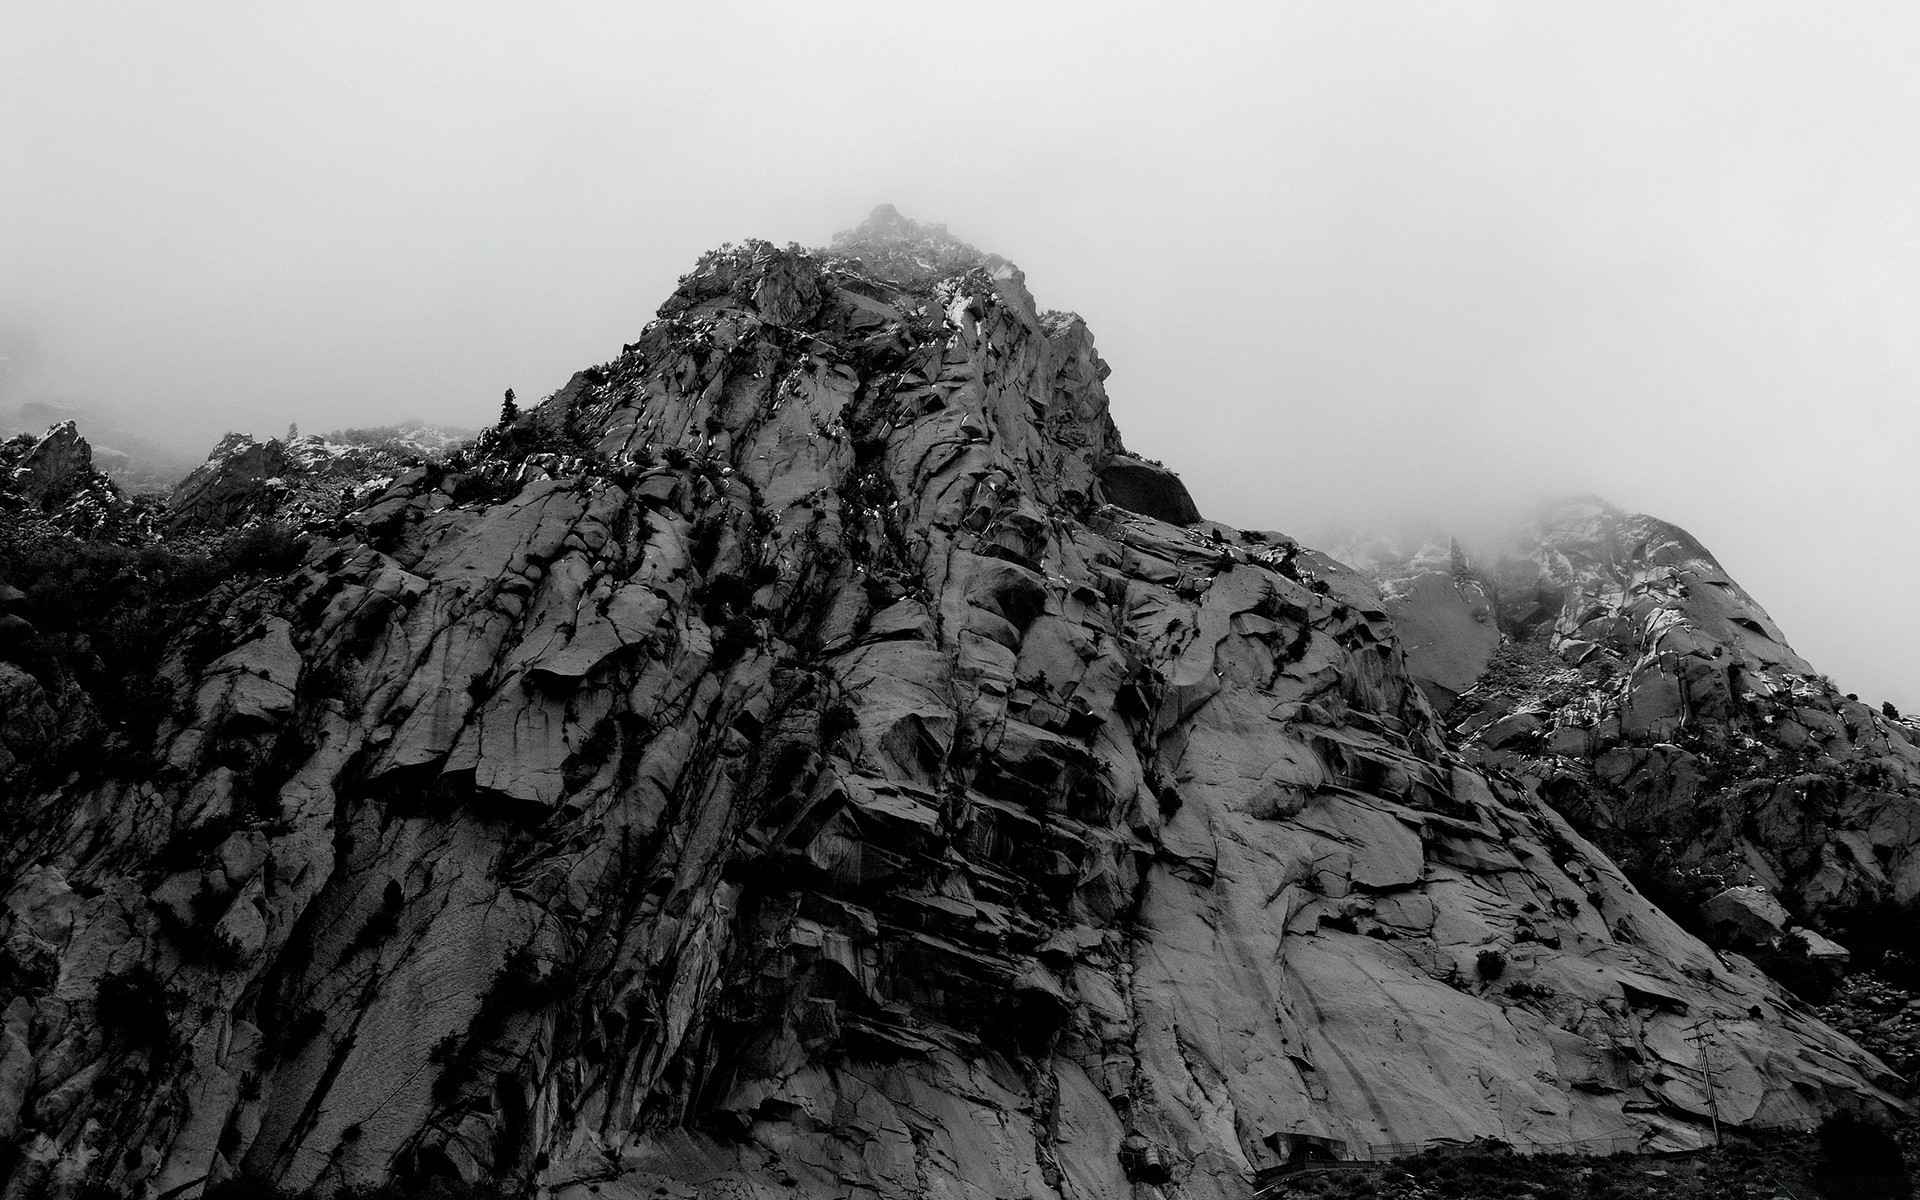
(1446, 618)
(1651, 699)
(768, 768)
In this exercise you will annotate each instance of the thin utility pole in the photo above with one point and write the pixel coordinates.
(1706, 1071)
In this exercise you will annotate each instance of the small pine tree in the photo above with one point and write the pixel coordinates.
(509, 410)
(1461, 568)
(293, 430)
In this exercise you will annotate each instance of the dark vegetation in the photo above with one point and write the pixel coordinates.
(137, 1007)
(1855, 1161)
(1789, 965)
(198, 935)
(518, 988)
(1883, 934)
(250, 1187)
(99, 611)
(384, 922)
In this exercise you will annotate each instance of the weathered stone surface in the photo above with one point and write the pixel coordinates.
(49, 484)
(768, 769)
(1444, 616)
(58, 463)
(1750, 912)
(1668, 711)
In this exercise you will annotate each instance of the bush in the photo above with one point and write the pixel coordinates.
(383, 922)
(704, 540)
(725, 592)
(734, 638)
(266, 549)
(102, 613)
(1789, 966)
(247, 1186)
(1860, 1159)
(840, 718)
(517, 988)
(1883, 935)
(431, 1189)
(137, 1006)
(1491, 964)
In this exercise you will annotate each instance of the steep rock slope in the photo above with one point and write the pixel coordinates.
(770, 768)
(1652, 698)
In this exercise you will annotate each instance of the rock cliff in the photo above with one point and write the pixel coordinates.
(807, 755)
(1654, 701)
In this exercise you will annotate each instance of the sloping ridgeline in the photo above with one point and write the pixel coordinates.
(770, 767)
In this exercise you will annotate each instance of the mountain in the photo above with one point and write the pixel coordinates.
(303, 480)
(1655, 703)
(137, 463)
(809, 755)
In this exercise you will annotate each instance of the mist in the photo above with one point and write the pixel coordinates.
(1350, 264)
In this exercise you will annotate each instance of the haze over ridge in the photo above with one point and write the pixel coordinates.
(1341, 264)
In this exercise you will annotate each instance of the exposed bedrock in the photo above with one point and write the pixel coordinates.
(1652, 699)
(769, 769)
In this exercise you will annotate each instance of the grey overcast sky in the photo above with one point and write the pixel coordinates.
(1349, 261)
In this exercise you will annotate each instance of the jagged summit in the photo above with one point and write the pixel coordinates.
(906, 250)
(887, 224)
(51, 483)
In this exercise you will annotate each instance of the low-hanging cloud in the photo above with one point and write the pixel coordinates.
(1348, 264)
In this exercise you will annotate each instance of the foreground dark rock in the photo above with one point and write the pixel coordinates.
(774, 767)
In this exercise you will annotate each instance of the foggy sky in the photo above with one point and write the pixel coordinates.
(1348, 262)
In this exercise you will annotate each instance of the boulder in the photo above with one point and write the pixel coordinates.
(1749, 912)
(1822, 949)
(1148, 489)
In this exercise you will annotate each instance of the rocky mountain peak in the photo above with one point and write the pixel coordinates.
(57, 462)
(886, 224)
(1610, 660)
(805, 755)
(53, 485)
(907, 250)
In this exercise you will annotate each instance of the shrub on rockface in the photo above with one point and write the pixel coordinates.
(254, 1187)
(1884, 936)
(264, 549)
(135, 1004)
(1789, 965)
(100, 611)
(1860, 1160)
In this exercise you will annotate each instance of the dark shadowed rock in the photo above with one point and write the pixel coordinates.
(1148, 489)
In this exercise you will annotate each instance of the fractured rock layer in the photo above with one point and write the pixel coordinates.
(1654, 699)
